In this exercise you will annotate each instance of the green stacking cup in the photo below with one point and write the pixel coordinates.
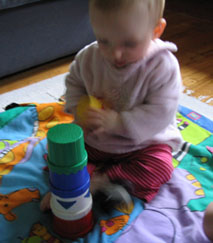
(66, 150)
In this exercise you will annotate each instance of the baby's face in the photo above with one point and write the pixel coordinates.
(123, 36)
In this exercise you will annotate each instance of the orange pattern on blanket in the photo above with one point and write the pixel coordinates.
(40, 230)
(127, 209)
(13, 157)
(113, 225)
(50, 115)
(10, 201)
(39, 233)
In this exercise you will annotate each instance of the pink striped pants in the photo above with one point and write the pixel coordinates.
(146, 169)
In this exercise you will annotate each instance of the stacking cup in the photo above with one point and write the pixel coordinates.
(71, 201)
(71, 208)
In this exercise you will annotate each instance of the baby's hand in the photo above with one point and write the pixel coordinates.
(45, 202)
(102, 120)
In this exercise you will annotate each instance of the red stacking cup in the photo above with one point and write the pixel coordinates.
(73, 229)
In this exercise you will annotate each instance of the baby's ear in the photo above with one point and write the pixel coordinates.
(159, 28)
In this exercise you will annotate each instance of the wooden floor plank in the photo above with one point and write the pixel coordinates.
(194, 38)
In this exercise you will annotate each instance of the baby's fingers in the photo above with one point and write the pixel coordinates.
(98, 131)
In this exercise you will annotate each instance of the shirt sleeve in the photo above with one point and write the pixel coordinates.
(74, 86)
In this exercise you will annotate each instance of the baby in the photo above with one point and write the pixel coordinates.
(208, 221)
(137, 78)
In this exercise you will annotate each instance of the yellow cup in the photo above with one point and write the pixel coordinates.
(84, 104)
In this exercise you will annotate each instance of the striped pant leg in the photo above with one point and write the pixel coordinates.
(146, 170)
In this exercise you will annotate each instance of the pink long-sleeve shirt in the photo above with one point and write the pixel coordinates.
(145, 94)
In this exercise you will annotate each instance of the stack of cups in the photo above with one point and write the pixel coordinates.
(71, 201)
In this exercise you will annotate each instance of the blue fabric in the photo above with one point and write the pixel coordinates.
(197, 118)
(19, 127)
(14, 3)
(24, 181)
(98, 235)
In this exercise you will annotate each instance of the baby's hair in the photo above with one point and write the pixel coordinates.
(155, 7)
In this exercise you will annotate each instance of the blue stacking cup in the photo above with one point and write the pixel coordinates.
(70, 193)
(71, 181)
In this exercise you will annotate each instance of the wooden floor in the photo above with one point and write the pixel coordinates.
(191, 28)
